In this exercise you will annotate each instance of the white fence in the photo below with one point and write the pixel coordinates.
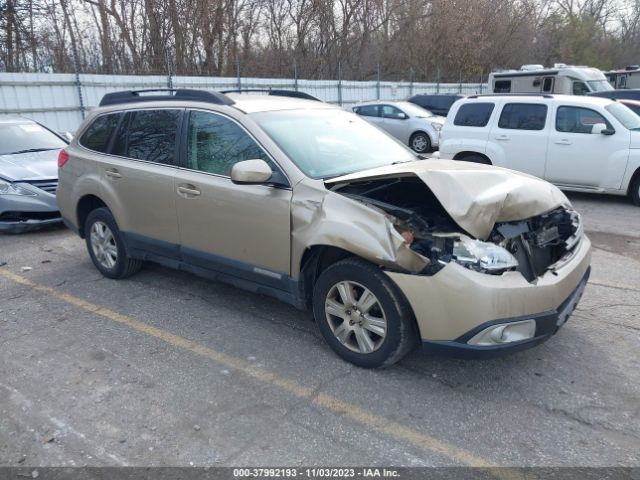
(58, 99)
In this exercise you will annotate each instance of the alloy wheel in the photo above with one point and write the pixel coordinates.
(103, 245)
(419, 143)
(355, 317)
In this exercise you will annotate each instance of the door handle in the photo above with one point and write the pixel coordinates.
(188, 190)
(564, 141)
(502, 137)
(112, 173)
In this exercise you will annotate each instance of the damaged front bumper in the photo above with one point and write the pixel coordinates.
(20, 214)
(456, 304)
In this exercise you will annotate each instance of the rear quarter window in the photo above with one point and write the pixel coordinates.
(474, 114)
(99, 133)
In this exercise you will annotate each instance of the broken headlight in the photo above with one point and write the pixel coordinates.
(7, 188)
(482, 256)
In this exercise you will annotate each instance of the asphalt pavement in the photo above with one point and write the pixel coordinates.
(165, 368)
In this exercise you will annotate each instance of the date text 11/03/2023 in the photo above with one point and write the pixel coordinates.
(315, 472)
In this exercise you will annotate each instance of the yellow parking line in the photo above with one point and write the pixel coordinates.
(368, 419)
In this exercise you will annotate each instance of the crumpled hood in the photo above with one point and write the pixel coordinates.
(476, 196)
(29, 166)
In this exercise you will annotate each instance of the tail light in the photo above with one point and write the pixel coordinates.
(63, 157)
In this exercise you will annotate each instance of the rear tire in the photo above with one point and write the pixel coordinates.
(420, 142)
(106, 247)
(362, 314)
(634, 190)
(473, 158)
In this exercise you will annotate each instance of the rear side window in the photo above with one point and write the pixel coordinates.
(473, 115)
(149, 135)
(368, 111)
(215, 144)
(97, 136)
(523, 116)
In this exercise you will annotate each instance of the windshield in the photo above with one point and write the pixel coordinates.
(27, 137)
(624, 115)
(414, 110)
(330, 143)
(599, 85)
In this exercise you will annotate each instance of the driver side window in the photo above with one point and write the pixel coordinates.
(578, 120)
(215, 143)
(579, 88)
(392, 112)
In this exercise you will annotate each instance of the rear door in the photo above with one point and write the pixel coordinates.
(577, 157)
(371, 113)
(521, 134)
(239, 230)
(468, 130)
(137, 178)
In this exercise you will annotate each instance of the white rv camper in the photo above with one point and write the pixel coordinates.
(565, 79)
(629, 77)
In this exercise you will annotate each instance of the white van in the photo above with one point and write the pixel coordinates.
(586, 144)
(563, 79)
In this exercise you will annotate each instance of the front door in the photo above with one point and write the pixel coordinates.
(238, 230)
(395, 122)
(577, 157)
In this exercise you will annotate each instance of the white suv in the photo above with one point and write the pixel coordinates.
(578, 143)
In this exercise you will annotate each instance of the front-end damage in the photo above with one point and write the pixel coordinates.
(457, 272)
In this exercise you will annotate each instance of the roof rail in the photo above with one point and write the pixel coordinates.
(132, 96)
(543, 95)
(275, 93)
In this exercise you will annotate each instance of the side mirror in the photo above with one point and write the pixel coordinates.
(251, 172)
(68, 136)
(601, 128)
(403, 116)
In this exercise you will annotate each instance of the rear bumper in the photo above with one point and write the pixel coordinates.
(547, 324)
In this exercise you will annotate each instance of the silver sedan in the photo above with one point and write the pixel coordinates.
(412, 125)
(28, 175)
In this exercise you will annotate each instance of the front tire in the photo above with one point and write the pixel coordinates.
(420, 142)
(362, 314)
(106, 247)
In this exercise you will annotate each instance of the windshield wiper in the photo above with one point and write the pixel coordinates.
(30, 150)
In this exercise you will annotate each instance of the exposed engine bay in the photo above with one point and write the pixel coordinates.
(531, 246)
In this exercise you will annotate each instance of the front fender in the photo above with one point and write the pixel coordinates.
(322, 217)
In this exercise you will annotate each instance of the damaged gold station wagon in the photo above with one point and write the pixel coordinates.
(311, 204)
